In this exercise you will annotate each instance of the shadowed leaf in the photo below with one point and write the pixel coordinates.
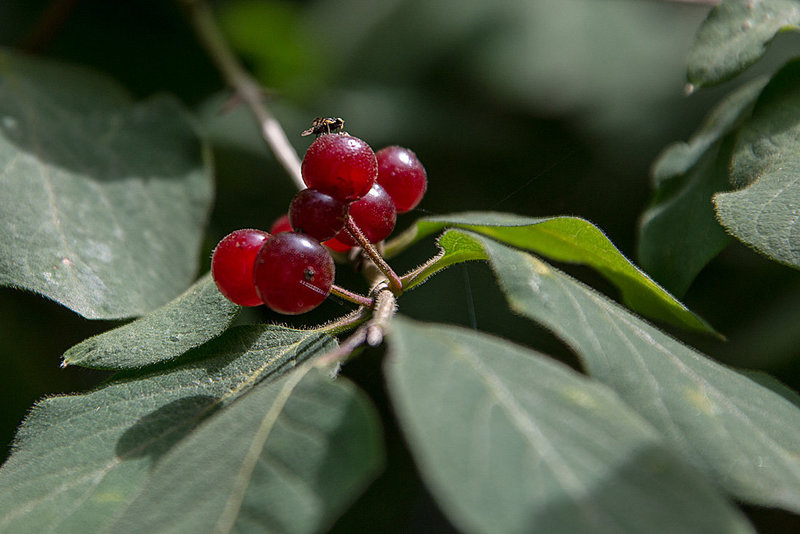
(287, 457)
(679, 233)
(78, 460)
(764, 210)
(511, 441)
(102, 200)
(744, 435)
(190, 320)
(735, 35)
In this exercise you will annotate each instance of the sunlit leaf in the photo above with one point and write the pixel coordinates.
(567, 239)
(511, 441)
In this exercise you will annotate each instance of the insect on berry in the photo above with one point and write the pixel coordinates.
(341, 166)
(322, 125)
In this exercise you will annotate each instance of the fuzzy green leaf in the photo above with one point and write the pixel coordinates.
(511, 441)
(102, 200)
(567, 239)
(735, 35)
(744, 435)
(200, 314)
(287, 457)
(79, 460)
(679, 233)
(764, 210)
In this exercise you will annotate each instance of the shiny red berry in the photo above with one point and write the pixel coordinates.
(293, 273)
(317, 214)
(341, 166)
(232, 265)
(402, 175)
(374, 214)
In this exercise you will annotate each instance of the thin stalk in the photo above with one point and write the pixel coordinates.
(370, 333)
(352, 296)
(245, 87)
(395, 286)
(345, 323)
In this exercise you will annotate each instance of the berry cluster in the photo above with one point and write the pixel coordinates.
(289, 269)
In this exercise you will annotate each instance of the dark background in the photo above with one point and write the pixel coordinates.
(536, 107)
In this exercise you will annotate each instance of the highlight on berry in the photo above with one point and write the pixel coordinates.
(324, 125)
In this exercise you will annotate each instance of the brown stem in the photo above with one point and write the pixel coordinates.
(371, 333)
(246, 88)
(395, 286)
(352, 296)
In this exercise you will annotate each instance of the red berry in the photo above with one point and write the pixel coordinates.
(281, 224)
(336, 245)
(232, 265)
(403, 177)
(341, 166)
(374, 214)
(293, 273)
(319, 215)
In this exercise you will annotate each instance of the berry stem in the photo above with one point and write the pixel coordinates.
(395, 286)
(345, 323)
(353, 297)
(245, 87)
(370, 333)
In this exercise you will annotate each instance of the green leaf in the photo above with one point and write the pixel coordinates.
(679, 233)
(79, 460)
(287, 457)
(200, 314)
(102, 200)
(567, 239)
(511, 441)
(735, 35)
(764, 210)
(744, 435)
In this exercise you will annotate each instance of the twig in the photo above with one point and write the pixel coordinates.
(246, 88)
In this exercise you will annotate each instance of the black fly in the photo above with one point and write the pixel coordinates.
(322, 125)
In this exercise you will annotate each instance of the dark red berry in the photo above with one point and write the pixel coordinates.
(341, 166)
(317, 214)
(281, 224)
(402, 175)
(293, 273)
(232, 265)
(374, 214)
